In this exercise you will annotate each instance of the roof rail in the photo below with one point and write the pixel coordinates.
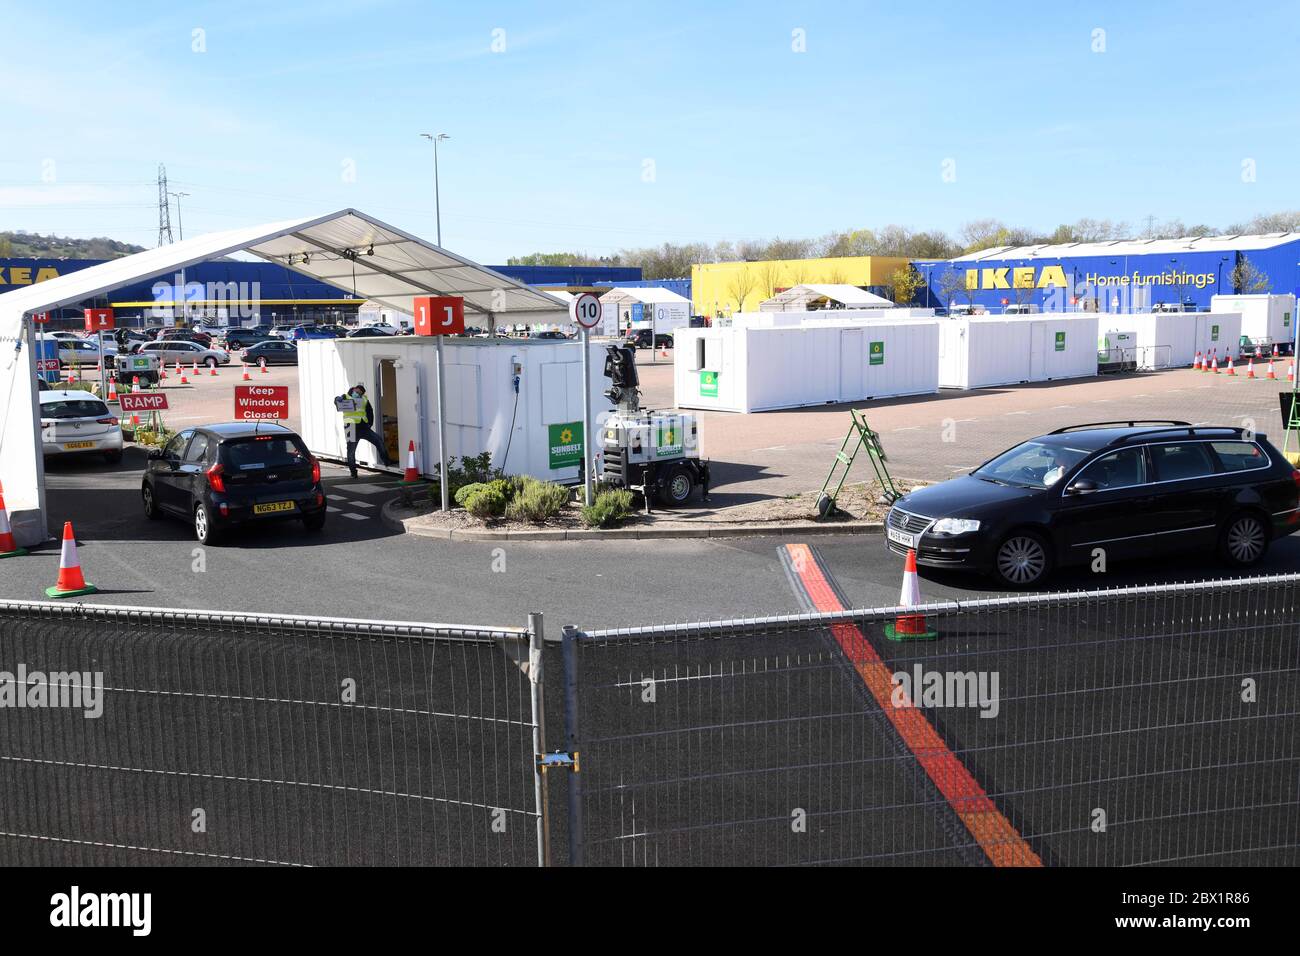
(1129, 424)
(1192, 430)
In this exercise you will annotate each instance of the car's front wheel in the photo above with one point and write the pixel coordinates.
(150, 503)
(1243, 540)
(1022, 560)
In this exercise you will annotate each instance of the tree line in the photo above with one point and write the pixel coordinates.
(674, 260)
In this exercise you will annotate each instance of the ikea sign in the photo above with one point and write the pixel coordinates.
(1016, 277)
(25, 275)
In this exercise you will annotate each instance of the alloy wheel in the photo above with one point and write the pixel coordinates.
(1246, 540)
(1021, 560)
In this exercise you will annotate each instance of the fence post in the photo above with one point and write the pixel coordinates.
(535, 680)
(570, 654)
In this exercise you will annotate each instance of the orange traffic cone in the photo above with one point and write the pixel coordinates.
(244, 367)
(181, 371)
(135, 383)
(1231, 370)
(194, 367)
(1290, 372)
(262, 362)
(212, 370)
(1214, 367)
(1250, 369)
(1196, 366)
(1274, 350)
(1272, 372)
(8, 546)
(412, 473)
(162, 372)
(910, 627)
(70, 581)
(112, 390)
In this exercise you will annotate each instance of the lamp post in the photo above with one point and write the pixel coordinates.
(180, 226)
(437, 199)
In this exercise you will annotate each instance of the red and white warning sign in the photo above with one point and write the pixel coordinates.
(99, 320)
(261, 402)
(131, 402)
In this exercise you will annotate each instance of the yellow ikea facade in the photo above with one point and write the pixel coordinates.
(726, 287)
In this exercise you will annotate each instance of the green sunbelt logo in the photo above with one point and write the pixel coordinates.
(565, 444)
(876, 353)
(709, 384)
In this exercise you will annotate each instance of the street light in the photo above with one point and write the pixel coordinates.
(185, 312)
(437, 200)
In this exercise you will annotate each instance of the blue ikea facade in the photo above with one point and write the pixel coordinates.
(1119, 276)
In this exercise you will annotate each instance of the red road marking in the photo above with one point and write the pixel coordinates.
(999, 840)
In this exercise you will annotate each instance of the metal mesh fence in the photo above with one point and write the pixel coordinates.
(217, 738)
(1128, 727)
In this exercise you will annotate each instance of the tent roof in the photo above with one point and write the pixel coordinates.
(837, 292)
(644, 294)
(336, 249)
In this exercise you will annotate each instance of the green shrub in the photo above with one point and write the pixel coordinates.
(608, 509)
(464, 491)
(537, 500)
(468, 471)
(486, 502)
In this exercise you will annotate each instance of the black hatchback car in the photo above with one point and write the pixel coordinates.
(218, 476)
(1118, 489)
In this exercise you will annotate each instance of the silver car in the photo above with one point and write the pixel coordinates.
(75, 422)
(186, 352)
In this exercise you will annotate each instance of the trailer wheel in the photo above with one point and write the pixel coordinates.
(676, 487)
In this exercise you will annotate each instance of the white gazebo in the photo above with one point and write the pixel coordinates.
(810, 298)
(346, 249)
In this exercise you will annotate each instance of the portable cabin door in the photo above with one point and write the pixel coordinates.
(1037, 351)
(399, 412)
(850, 365)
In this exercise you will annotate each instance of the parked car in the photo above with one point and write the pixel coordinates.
(369, 332)
(83, 352)
(313, 332)
(548, 336)
(170, 351)
(187, 335)
(237, 339)
(383, 327)
(220, 476)
(74, 422)
(640, 339)
(273, 352)
(1132, 489)
(284, 331)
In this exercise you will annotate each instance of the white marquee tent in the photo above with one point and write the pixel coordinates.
(347, 249)
(810, 297)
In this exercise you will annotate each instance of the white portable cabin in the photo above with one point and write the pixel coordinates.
(741, 369)
(667, 310)
(1265, 319)
(818, 297)
(986, 351)
(1172, 339)
(483, 411)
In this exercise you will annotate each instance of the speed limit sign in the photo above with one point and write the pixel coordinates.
(585, 310)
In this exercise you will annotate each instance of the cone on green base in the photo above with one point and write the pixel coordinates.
(70, 583)
(910, 627)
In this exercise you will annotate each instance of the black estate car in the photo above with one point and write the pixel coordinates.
(218, 476)
(1132, 489)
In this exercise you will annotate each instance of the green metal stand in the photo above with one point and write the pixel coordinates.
(860, 436)
(1292, 418)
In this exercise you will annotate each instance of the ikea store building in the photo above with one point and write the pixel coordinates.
(1111, 276)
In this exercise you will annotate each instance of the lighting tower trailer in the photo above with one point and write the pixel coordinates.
(655, 453)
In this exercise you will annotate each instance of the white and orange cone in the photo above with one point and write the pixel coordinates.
(1250, 369)
(1196, 366)
(8, 546)
(412, 473)
(262, 362)
(1214, 367)
(244, 367)
(1272, 372)
(112, 390)
(135, 383)
(70, 581)
(212, 370)
(910, 627)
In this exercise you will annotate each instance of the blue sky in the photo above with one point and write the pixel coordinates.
(550, 137)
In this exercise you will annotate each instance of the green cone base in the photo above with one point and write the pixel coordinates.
(893, 634)
(13, 554)
(56, 593)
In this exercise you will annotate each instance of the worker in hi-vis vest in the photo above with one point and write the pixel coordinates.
(358, 421)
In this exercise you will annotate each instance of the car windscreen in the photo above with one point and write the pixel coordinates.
(74, 408)
(263, 451)
(1031, 465)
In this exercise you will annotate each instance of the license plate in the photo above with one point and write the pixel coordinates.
(75, 445)
(272, 507)
(901, 537)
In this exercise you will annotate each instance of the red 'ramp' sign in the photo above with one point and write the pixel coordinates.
(255, 403)
(142, 402)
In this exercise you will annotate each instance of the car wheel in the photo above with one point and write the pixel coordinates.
(150, 503)
(204, 530)
(1244, 540)
(314, 522)
(1022, 560)
(210, 362)
(677, 487)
